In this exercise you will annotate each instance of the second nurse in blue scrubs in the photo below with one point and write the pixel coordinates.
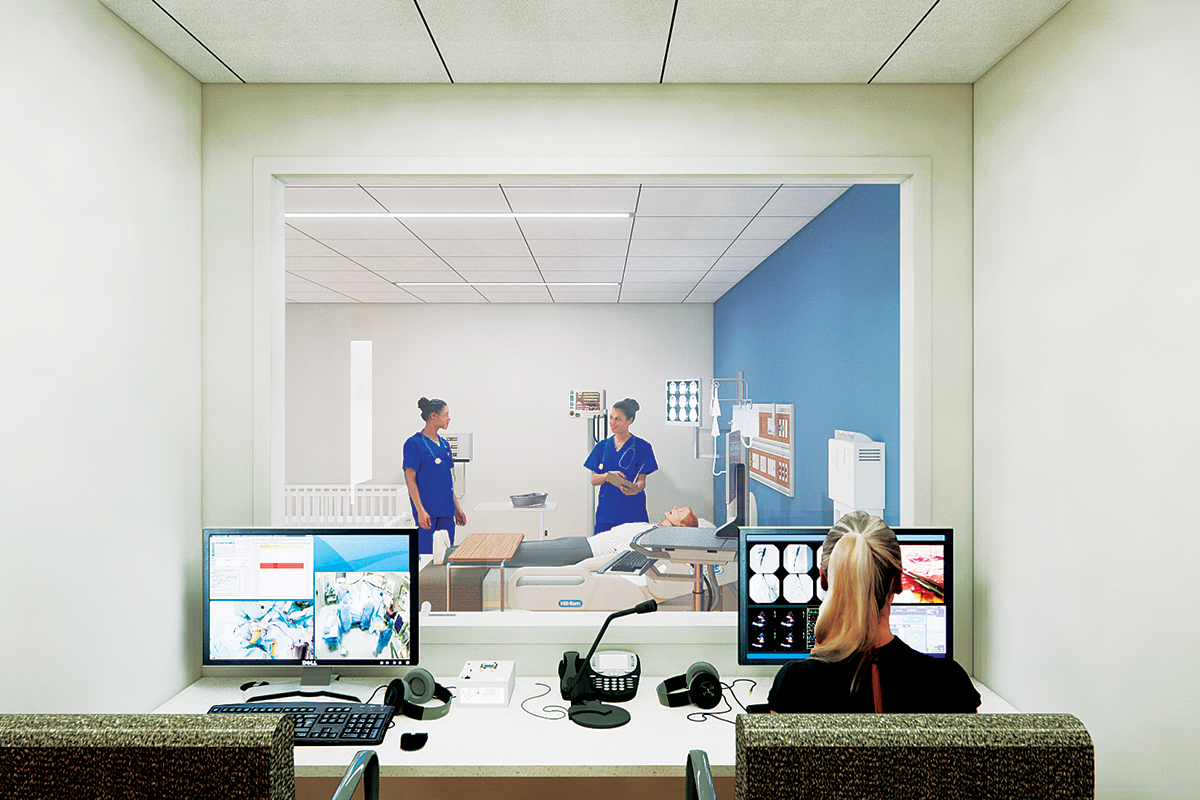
(429, 473)
(628, 456)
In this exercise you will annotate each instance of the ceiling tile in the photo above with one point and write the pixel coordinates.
(327, 261)
(958, 42)
(449, 248)
(440, 296)
(353, 248)
(573, 198)
(478, 263)
(452, 228)
(403, 263)
(744, 264)
(580, 263)
(372, 297)
(578, 247)
(703, 201)
(165, 34)
(656, 287)
(774, 227)
(663, 276)
(657, 263)
(597, 294)
(703, 297)
(567, 41)
(373, 228)
(329, 276)
(677, 247)
(327, 198)
(801, 201)
(323, 298)
(306, 247)
(440, 198)
(726, 228)
(524, 276)
(761, 248)
(576, 228)
(352, 287)
(781, 41)
(582, 276)
(420, 276)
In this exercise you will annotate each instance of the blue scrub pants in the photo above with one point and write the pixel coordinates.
(425, 537)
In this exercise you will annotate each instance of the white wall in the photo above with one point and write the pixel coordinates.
(1087, 350)
(100, 396)
(505, 370)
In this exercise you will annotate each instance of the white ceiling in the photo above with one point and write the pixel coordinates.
(583, 41)
(681, 244)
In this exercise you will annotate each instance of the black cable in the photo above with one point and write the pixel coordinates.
(561, 709)
(704, 716)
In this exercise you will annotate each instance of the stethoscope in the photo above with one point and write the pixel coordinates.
(627, 457)
(429, 443)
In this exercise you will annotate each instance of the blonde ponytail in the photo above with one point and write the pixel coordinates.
(861, 561)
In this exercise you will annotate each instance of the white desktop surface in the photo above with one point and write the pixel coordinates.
(507, 742)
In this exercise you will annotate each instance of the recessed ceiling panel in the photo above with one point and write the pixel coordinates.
(582, 276)
(501, 275)
(479, 248)
(760, 248)
(458, 228)
(420, 276)
(329, 198)
(670, 263)
(352, 248)
(680, 277)
(403, 263)
(590, 248)
(335, 228)
(480, 263)
(774, 227)
(678, 247)
(550, 264)
(327, 261)
(551, 41)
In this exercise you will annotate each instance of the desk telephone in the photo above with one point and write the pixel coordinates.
(611, 674)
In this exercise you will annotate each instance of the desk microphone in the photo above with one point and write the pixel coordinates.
(575, 686)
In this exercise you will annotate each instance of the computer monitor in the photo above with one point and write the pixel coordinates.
(315, 598)
(779, 592)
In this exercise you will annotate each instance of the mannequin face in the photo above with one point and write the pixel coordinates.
(677, 516)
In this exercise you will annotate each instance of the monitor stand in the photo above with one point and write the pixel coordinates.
(314, 682)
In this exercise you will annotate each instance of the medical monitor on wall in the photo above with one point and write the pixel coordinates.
(310, 597)
(779, 592)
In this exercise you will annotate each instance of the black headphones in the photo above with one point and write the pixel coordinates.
(700, 685)
(407, 695)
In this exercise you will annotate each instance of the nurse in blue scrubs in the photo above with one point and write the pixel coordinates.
(429, 473)
(628, 456)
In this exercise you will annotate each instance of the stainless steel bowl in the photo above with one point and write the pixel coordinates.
(526, 500)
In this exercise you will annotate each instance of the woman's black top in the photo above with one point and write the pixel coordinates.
(910, 683)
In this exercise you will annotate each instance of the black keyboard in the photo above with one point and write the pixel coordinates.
(629, 561)
(324, 723)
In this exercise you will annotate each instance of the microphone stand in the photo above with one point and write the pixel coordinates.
(589, 711)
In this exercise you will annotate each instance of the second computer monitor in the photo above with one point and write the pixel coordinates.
(780, 595)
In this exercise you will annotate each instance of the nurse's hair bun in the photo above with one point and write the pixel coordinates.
(629, 407)
(428, 407)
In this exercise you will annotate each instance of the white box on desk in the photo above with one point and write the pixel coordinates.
(486, 683)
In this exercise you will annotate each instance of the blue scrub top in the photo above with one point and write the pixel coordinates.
(434, 465)
(635, 457)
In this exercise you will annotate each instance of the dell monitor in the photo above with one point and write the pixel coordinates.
(779, 592)
(313, 598)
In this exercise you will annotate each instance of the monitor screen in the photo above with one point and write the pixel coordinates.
(779, 592)
(312, 597)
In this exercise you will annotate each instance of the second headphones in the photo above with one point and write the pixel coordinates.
(700, 686)
(409, 694)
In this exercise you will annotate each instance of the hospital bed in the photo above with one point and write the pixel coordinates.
(681, 552)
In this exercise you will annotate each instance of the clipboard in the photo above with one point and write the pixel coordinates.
(618, 480)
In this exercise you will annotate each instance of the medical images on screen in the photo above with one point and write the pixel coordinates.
(251, 630)
(362, 615)
(782, 597)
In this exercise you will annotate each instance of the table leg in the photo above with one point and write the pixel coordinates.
(501, 585)
(697, 592)
(447, 584)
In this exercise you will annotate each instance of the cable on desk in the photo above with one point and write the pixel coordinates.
(726, 693)
(562, 711)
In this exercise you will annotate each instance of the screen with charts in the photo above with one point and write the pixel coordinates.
(313, 597)
(780, 595)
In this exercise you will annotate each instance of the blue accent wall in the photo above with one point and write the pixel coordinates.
(817, 324)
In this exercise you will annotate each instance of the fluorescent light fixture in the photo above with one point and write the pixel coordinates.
(501, 283)
(458, 214)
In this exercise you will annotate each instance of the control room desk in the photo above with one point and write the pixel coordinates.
(505, 752)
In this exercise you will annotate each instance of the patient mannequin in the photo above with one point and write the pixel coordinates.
(590, 552)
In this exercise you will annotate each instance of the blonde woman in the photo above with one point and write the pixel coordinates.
(857, 663)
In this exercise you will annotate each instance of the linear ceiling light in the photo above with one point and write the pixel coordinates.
(502, 283)
(457, 214)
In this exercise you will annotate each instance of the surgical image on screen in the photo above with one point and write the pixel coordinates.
(362, 615)
(922, 575)
(261, 629)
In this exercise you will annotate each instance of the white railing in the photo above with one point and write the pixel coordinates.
(343, 506)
